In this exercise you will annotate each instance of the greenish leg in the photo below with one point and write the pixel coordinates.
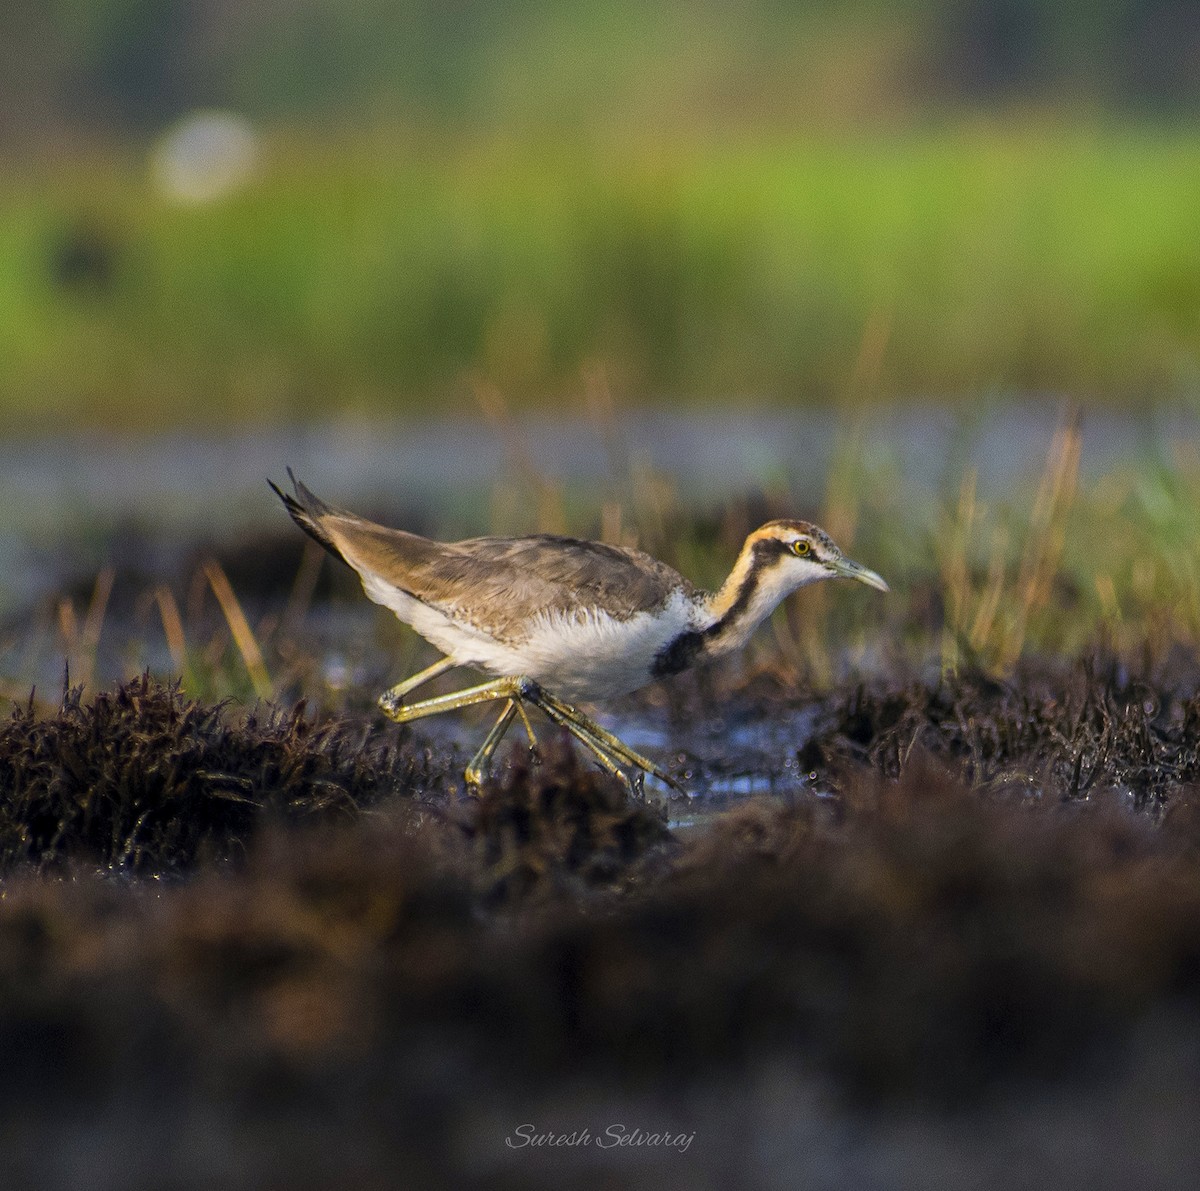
(393, 697)
(501, 688)
(606, 759)
(577, 722)
(533, 744)
(606, 747)
(479, 763)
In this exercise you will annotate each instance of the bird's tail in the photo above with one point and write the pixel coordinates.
(307, 510)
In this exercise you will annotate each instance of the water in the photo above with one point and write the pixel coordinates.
(721, 760)
(719, 765)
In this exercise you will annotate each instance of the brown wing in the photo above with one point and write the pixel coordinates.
(564, 574)
(493, 583)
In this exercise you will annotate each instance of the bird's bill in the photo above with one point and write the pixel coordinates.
(853, 570)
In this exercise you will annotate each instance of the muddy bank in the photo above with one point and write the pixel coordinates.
(240, 947)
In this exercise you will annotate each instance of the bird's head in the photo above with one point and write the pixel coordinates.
(794, 553)
(777, 558)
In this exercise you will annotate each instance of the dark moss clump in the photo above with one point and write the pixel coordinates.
(561, 823)
(1063, 736)
(921, 945)
(143, 780)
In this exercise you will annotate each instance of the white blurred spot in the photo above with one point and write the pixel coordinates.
(205, 156)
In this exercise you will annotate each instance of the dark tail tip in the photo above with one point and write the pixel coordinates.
(306, 511)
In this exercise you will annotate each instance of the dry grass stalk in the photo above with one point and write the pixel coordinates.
(993, 622)
(1042, 555)
(954, 564)
(81, 639)
(172, 622)
(239, 626)
(984, 623)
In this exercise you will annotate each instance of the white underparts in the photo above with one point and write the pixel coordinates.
(577, 655)
(588, 653)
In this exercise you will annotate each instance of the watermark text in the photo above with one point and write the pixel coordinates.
(610, 1138)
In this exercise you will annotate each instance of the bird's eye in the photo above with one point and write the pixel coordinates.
(801, 546)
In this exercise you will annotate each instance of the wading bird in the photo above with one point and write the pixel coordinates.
(555, 618)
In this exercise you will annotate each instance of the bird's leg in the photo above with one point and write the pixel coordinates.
(589, 733)
(393, 697)
(593, 743)
(608, 749)
(501, 688)
(511, 689)
(606, 759)
(533, 744)
(618, 747)
(480, 762)
(612, 762)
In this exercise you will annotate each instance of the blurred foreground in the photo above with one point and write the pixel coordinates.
(978, 942)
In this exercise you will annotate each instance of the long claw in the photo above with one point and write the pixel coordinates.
(589, 733)
(392, 699)
(612, 753)
(480, 763)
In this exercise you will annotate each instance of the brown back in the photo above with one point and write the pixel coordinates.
(497, 583)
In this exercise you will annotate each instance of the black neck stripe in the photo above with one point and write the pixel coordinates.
(682, 652)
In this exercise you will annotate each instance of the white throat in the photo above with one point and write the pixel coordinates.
(748, 597)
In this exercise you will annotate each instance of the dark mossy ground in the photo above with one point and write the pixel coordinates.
(989, 916)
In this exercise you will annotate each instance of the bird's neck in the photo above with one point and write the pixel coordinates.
(751, 593)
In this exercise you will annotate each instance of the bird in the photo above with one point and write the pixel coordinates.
(557, 620)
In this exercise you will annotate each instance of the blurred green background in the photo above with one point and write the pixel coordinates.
(762, 202)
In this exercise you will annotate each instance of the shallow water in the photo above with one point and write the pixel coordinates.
(719, 763)
(722, 760)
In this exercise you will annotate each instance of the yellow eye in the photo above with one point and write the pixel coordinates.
(801, 546)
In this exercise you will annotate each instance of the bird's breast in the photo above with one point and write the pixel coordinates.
(584, 653)
(592, 655)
